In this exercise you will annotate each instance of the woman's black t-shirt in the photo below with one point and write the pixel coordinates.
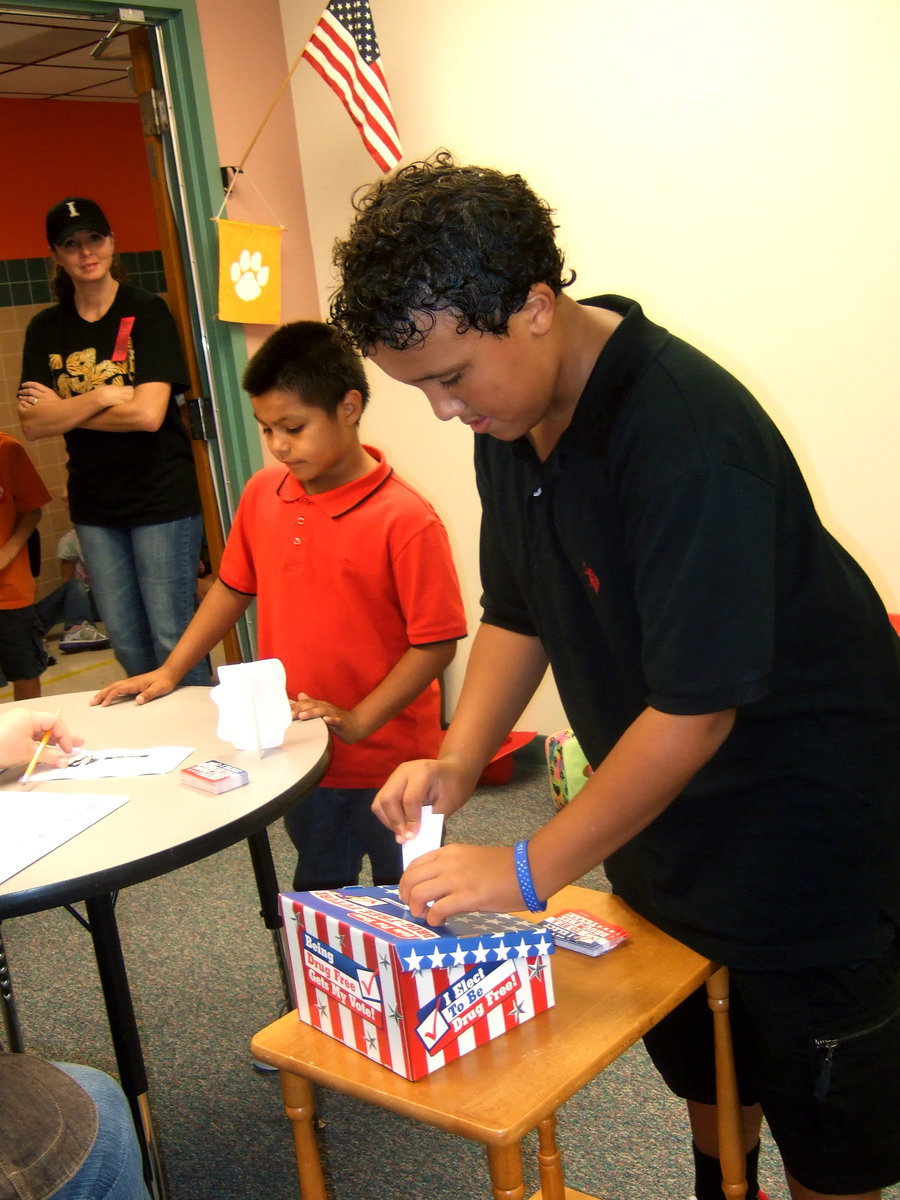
(118, 478)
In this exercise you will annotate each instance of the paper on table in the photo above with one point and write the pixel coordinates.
(34, 823)
(116, 764)
(254, 711)
(428, 837)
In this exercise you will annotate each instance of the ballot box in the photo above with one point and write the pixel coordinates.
(407, 995)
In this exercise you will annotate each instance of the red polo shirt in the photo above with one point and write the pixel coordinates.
(346, 581)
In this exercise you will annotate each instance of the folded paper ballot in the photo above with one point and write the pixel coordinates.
(254, 710)
(428, 838)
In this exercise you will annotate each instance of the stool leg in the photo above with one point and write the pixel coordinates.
(505, 1164)
(553, 1185)
(730, 1127)
(300, 1107)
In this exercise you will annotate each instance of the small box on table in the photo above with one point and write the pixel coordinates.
(213, 776)
(407, 995)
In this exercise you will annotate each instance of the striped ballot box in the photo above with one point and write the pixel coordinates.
(408, 996)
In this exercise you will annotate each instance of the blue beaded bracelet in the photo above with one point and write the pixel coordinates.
(526, 883)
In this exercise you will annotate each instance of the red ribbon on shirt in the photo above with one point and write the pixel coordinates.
(120, 350)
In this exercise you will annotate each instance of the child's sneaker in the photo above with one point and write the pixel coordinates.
(83, 637)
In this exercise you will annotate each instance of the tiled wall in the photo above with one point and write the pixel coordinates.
(25, 280)
(24, 290)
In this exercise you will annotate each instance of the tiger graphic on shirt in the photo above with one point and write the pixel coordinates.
(80, 372)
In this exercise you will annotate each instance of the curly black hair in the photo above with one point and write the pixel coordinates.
(310, 359)
(436, 237)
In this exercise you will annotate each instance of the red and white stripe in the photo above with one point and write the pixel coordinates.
(361, 86)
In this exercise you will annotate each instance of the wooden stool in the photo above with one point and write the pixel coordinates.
(501, 1091)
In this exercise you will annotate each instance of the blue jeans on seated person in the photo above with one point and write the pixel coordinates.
(113, 1169)
(69, 603)
(144, 580)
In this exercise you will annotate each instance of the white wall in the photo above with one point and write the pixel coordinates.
(732, 166)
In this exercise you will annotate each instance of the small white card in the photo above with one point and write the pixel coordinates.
(428, 837)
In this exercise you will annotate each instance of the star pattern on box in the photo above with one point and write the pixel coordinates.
(413, 961)
(516, 1010)
(536, 970)
(493, 947)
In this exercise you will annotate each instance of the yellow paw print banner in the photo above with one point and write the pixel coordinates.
(249, 272)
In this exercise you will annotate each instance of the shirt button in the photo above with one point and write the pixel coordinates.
(300, 520)
(297, 541)
(535, 494)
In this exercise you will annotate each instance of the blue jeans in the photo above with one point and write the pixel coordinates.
(144, 580)
(113, 1169)
(332, 830)
(69, 603)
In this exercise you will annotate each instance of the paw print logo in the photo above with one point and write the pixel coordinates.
(248, 275)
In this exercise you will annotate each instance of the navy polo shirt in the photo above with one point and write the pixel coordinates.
(668, 554)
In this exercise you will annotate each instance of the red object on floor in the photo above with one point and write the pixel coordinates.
(500, 768)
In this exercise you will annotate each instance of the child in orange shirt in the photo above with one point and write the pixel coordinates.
(22, 496)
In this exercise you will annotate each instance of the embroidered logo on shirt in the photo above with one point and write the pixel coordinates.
(591, 576)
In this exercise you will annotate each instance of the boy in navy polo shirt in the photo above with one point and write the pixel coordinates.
(727, 667)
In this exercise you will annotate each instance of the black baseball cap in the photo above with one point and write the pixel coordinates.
(72, 215)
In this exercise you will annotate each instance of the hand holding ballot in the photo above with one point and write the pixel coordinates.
(21, 731)
(460, 878)
(443, 783)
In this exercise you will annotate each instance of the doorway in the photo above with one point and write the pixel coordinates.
(53, 41)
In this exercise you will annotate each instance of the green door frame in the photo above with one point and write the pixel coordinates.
(238, 452)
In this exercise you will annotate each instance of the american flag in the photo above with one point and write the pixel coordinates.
(344, 50)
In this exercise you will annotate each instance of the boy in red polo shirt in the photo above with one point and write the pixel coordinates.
(356, 594)
(22, 496)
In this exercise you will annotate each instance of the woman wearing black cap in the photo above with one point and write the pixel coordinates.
(102, 367)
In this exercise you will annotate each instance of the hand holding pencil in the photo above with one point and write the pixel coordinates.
(32, 735)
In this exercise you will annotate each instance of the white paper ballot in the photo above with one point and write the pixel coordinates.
(254, 710)
(115, 764)
(428, 837)
(34, 823)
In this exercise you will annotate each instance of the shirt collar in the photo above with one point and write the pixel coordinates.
(625, 356)
(632, 344)
(339, 500)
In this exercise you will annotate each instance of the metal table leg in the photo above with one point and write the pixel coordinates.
(124, 1030)
(267, 886)
(14, 1039)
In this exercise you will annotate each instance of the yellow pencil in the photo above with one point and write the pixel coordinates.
(40, 746)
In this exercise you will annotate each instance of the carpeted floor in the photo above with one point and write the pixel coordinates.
(204, 979)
